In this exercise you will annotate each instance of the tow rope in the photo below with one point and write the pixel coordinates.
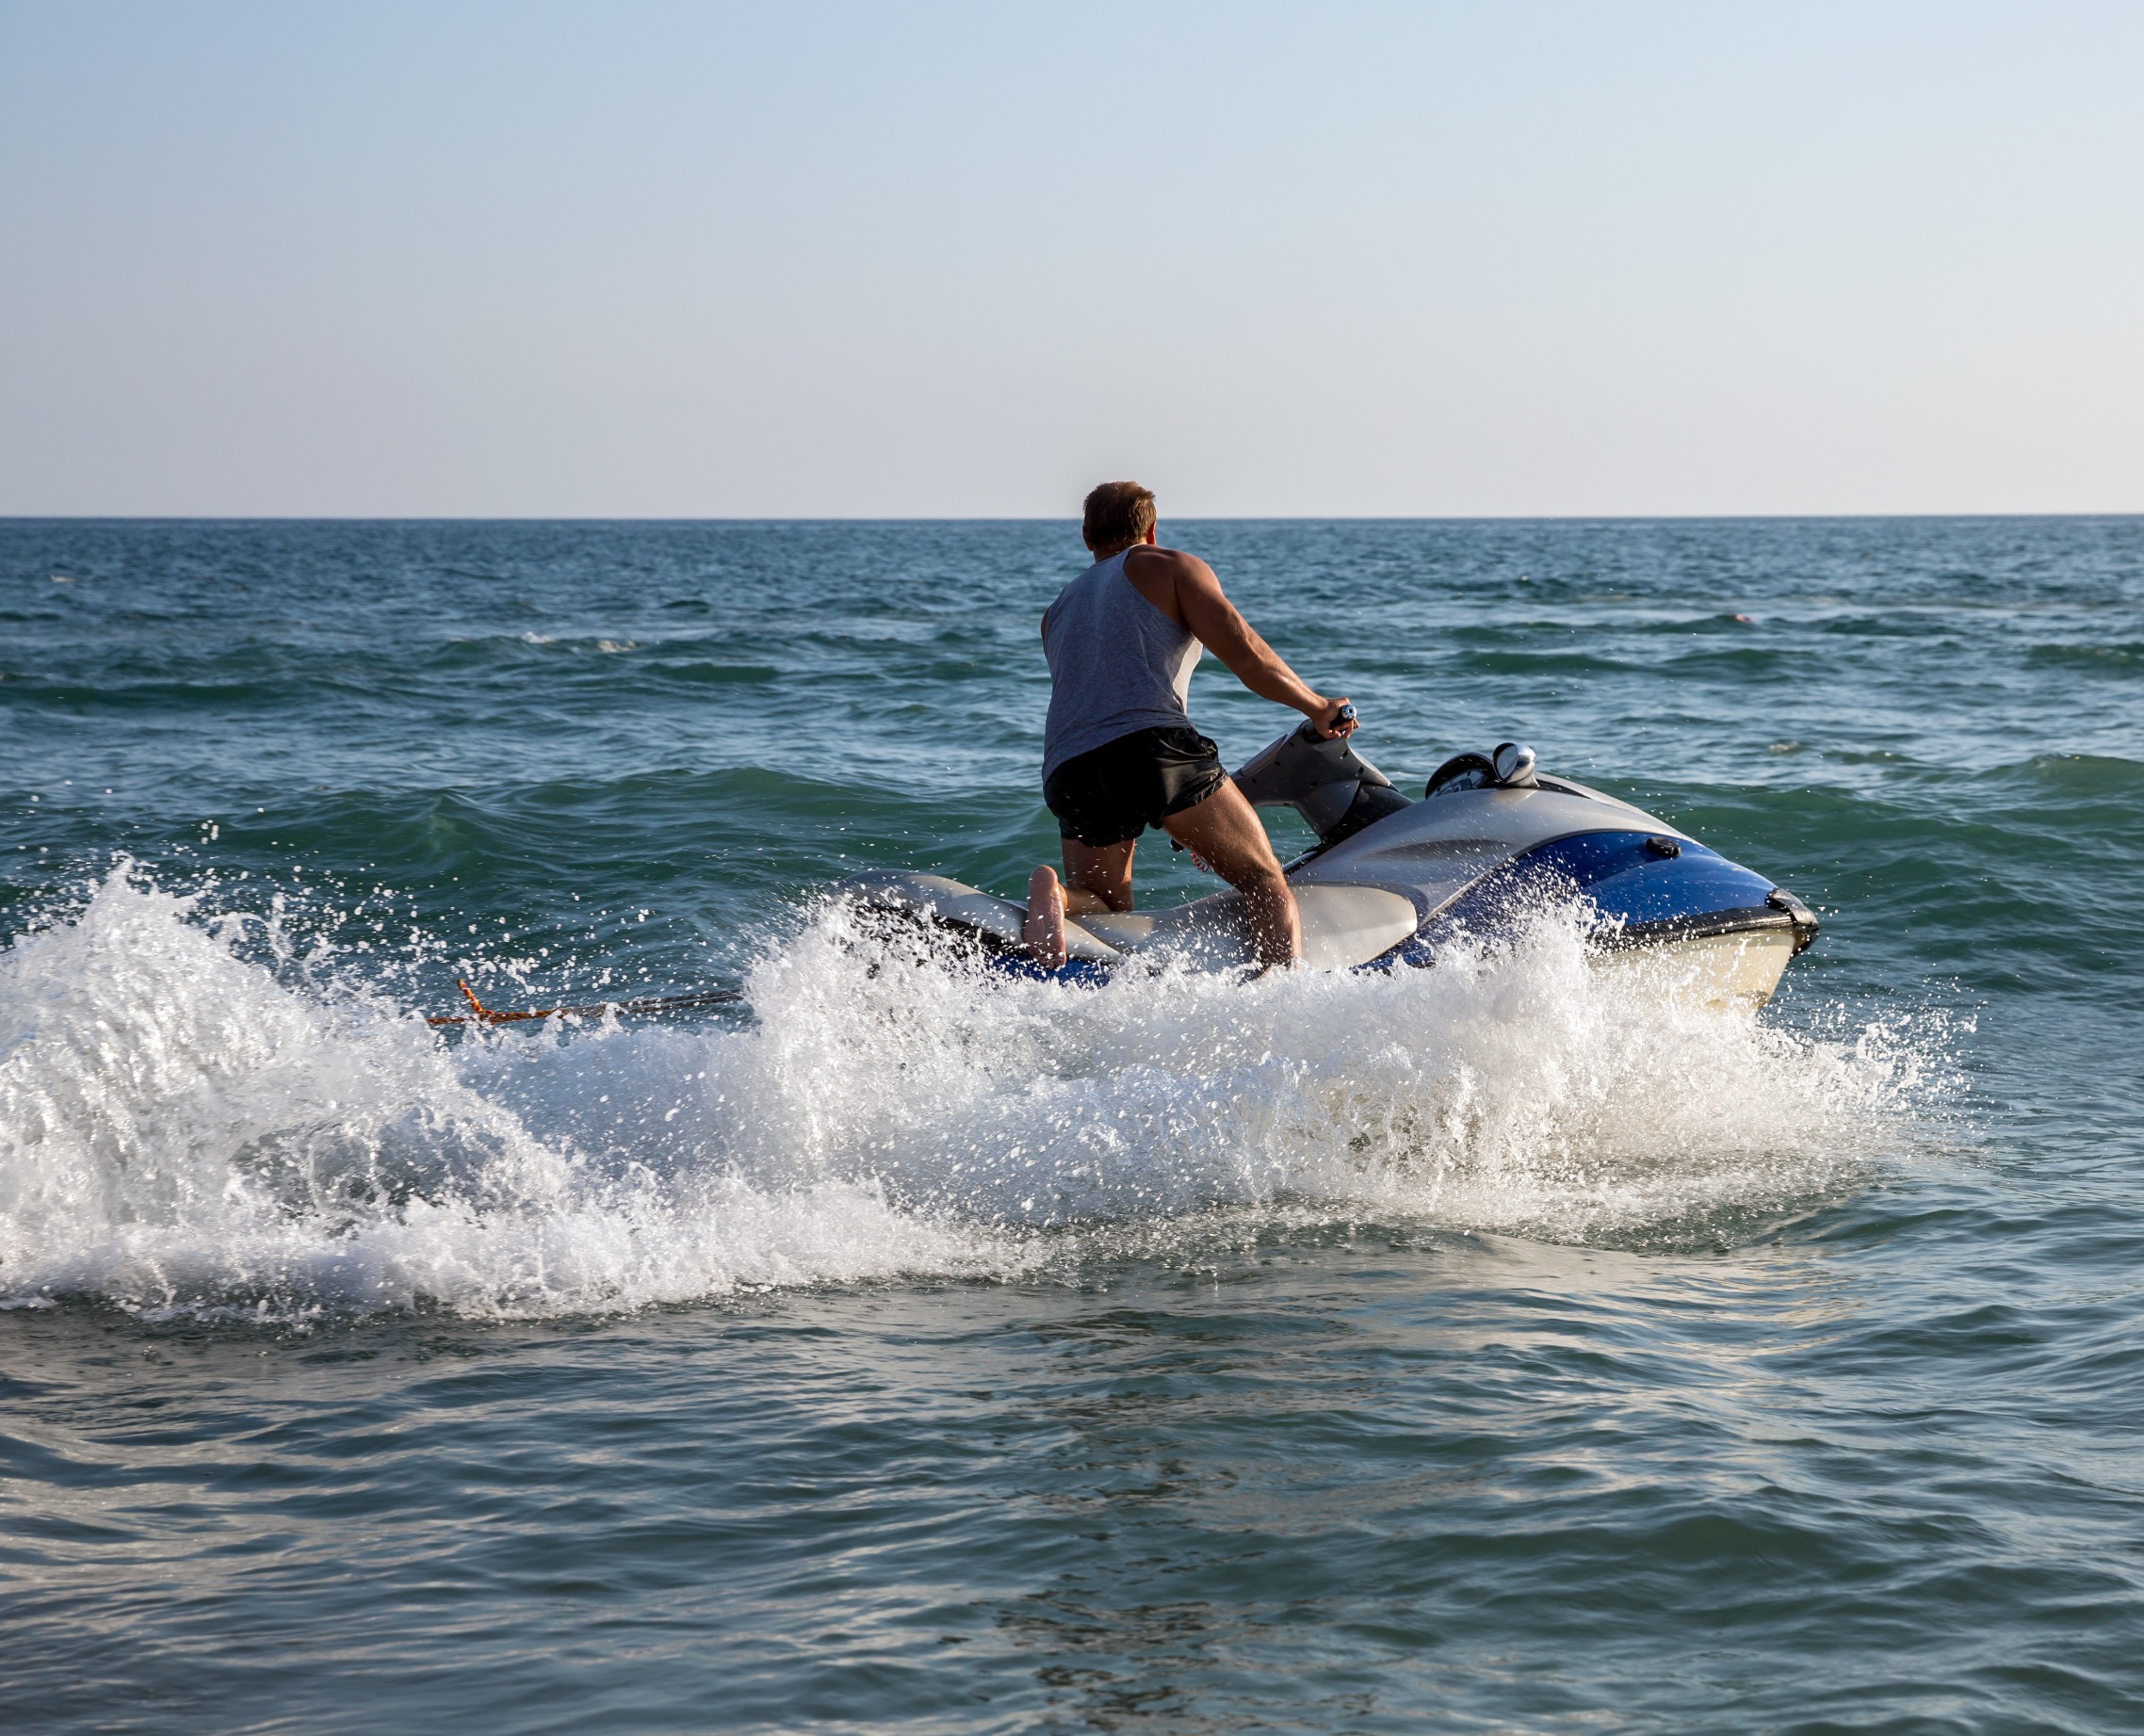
(480, 1014)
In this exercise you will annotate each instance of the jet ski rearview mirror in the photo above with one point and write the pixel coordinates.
(1511, 767)
(1514, 764)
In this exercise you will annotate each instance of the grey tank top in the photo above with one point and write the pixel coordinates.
(1116, 664)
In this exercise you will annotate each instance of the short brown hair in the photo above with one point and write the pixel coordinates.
(1118, 513)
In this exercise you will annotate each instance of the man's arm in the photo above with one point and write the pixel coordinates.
(1203, 607)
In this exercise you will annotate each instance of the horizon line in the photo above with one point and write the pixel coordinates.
(854, 518)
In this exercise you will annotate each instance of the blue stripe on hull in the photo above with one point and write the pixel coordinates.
(1627, 882)
(1078, 972)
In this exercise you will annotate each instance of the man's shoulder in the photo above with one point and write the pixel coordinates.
(1151, 558)
(1166, 577)
(1169, 571)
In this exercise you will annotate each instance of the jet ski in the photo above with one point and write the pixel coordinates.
(1394, 882)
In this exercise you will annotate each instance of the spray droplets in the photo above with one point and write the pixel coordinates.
(184, 1127)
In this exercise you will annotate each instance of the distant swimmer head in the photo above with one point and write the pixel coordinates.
(1117, 515)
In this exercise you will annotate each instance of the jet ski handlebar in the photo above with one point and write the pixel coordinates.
(1339, 792)
(1322, 778)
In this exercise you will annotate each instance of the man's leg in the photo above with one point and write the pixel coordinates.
(1095, 879)
(1227, 831)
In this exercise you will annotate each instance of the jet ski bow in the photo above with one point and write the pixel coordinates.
(1393, 882)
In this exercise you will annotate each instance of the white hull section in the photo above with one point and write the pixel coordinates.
(1727, 972)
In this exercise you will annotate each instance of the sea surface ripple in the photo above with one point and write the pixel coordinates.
(1491, 1349)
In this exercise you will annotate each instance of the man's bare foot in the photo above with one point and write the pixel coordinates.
(1044, 929)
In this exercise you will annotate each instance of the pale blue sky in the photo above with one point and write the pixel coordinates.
(932, 260)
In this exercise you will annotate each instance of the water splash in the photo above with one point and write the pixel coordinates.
(185, 1127)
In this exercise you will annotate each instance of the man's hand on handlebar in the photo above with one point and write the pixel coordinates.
(1334, 718)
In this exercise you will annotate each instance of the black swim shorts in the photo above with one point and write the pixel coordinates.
(1115, 791)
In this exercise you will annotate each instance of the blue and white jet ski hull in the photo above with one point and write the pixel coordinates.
(1397, 884)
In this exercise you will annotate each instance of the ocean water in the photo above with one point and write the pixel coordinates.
(1490, 1349)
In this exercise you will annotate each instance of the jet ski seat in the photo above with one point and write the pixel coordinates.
(1341, 925)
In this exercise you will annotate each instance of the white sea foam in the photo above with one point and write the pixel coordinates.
(183, 1128)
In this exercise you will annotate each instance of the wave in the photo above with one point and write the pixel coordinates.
(189, 1127)
(2116, 660)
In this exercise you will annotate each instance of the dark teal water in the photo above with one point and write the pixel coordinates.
(1472, 1350)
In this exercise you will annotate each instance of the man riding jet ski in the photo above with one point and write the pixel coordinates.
(1119, 751)
(1389, 881)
